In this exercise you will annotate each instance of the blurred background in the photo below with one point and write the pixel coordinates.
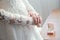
(51, 22)
(44, 7)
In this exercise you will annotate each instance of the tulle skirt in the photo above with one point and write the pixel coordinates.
(19, 32)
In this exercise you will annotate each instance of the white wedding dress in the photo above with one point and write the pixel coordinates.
(23, 28)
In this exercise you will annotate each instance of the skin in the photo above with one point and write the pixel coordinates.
(36, 18)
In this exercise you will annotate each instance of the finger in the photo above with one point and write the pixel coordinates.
(40, 20)
(35, 20)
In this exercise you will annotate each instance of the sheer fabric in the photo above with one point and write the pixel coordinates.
(23, 28)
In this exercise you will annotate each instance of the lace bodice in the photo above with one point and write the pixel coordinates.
(14, 6)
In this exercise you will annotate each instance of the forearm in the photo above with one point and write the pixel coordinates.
(19, 19)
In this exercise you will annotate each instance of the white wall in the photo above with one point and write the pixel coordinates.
(47, 6)
(44, 6)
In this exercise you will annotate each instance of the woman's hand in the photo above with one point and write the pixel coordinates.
(36, 18)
